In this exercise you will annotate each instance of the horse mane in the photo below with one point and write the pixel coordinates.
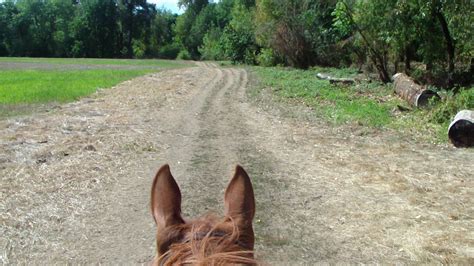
(208, 241)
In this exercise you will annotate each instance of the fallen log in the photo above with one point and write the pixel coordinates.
(333, 80)
(414, 94)
(461, 129)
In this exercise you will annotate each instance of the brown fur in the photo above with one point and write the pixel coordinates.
(208, 240)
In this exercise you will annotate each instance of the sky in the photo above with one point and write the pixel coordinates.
(168, 4)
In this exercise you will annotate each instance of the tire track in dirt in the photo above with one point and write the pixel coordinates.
(76, 181)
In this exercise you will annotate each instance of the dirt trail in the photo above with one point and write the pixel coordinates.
(75, 182)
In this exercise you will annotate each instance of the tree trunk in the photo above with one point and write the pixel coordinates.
(407, 60)
(333, 80)
(471, 68)
(374, 55)
(414, 94)
(130, 33)
(382, 71)
(449, 46)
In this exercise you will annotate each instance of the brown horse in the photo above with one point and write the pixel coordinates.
(207, 240)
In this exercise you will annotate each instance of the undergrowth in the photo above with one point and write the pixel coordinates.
(432, 124)
(369, 104)
(335, 103)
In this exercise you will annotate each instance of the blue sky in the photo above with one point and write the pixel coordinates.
(168, 4)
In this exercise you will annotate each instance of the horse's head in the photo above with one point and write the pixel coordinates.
(207, 240)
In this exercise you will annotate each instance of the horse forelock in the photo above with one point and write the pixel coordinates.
(206, 241)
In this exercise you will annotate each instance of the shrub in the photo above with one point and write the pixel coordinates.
(169, 51)
(453, 103)
(212, 49)
(138, 48)
(184, 55)
(266, 58)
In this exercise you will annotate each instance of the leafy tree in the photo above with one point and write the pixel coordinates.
(299, 31)
(192, 26)
(95, 29)
(194, 5)
(135, 23)
(162, 37)
(8, 27)
(212, 47)
(238, 40)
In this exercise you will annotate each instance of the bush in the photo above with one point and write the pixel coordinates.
(212, 49)
(446, 110)
(238, 38)
(184, 55)
(169, 51)
(138, 48)
(266, 58)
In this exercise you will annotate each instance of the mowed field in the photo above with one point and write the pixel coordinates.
(27, 84)
(76, 172)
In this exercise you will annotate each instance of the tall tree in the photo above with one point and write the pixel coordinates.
(135, 16)
(95, 29)
(300, 31)
(192, 26)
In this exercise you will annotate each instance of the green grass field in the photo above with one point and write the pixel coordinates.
(371, 104)
(38, 86)
(33, 84)
(338, 104)
(63, 84)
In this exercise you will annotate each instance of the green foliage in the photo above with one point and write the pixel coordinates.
(238, 39)
(435, 32)
(299, 31)
(88, 28)
(161, 36)
(138, 48)
(169, 51)
(192, 26)
(184, 55)
(342, 21)
(444, 112)
(212, 48)
(267, 58)
(365, 104)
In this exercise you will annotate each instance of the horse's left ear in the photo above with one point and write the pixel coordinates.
(239, 199)
(166, 199)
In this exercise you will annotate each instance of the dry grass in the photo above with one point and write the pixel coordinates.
(376, 197)
(51, 164)
(324, 194)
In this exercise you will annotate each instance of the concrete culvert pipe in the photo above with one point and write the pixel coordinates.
(461, 129)
(413, 93)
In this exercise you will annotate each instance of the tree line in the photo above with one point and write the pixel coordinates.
(386, 35)
(84, 28)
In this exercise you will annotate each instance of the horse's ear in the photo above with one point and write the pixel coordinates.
(165, 199)
(239, 199)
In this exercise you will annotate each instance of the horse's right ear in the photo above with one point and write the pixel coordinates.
(239, 199)
(165, 199)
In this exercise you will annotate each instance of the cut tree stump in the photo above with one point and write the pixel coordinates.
(414, 94)
(461, 129)
(333, 80)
